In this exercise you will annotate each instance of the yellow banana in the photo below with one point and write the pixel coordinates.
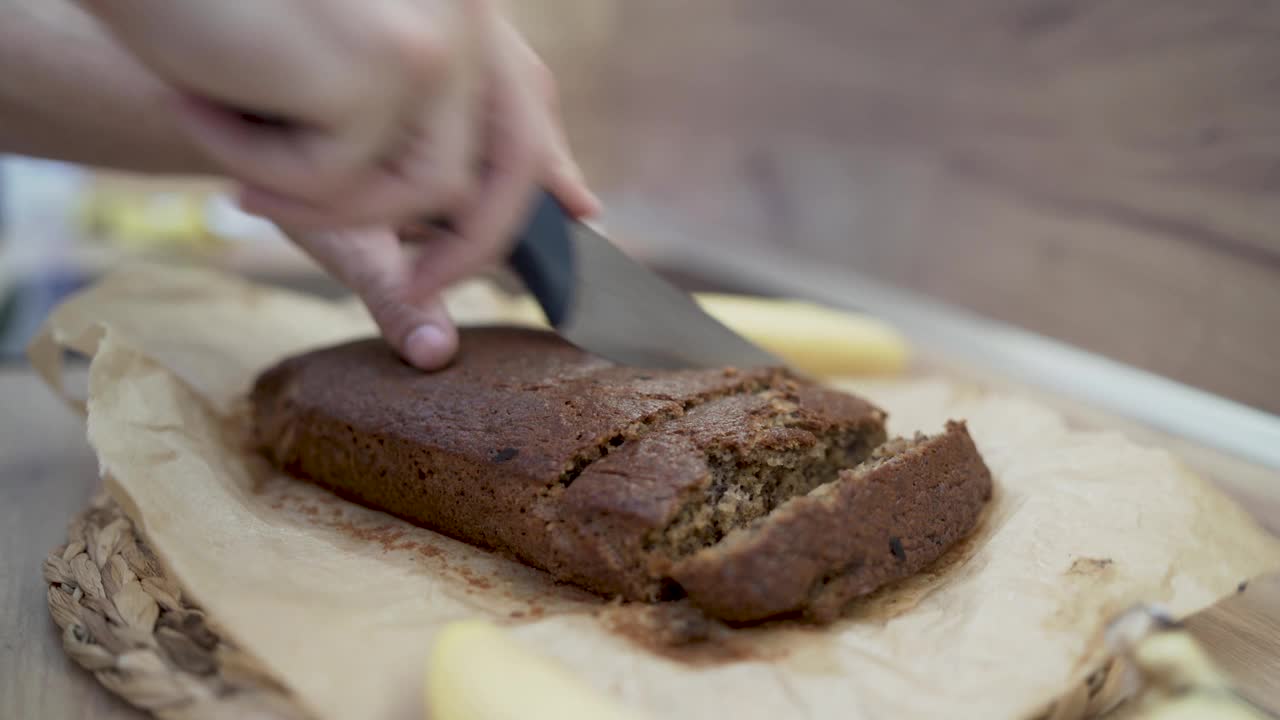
(478, 672)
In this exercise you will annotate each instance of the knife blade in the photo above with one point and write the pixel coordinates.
(603, 301)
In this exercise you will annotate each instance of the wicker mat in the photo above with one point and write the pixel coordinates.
(124, 621)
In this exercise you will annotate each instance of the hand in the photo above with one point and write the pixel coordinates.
(378, 269)
(377, 111)
(382, 111)
(400, 284)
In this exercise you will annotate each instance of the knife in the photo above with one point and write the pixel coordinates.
(607, 304)
(601, 300)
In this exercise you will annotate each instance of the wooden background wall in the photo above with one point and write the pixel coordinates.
(1103, 171)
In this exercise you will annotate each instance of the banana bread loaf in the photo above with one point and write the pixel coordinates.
(752, 492)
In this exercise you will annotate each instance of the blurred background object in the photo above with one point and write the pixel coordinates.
(1103, 173)
(63, 225)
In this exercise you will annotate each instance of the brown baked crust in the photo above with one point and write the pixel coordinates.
(616, 479)
(477, 450)
(878, 523)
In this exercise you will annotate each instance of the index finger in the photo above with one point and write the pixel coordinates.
(373, 265)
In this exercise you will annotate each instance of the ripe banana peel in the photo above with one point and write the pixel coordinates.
(814, 339)
(1176, 677)
(1183, 683)
(479, 672)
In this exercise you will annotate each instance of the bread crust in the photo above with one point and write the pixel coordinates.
(626, 481)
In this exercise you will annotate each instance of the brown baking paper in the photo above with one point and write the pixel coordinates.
(342, 603)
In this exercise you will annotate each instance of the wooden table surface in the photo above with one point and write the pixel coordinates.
(47, 474)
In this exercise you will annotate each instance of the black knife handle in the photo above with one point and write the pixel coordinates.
(542, 256)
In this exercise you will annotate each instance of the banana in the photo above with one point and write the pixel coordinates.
(478, 672)
(814, 339)
(1183, 682)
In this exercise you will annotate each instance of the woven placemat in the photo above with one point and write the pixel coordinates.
(126, 622)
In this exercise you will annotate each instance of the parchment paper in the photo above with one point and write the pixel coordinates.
(341, 603)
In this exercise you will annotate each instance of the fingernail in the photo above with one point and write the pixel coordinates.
(427, 346)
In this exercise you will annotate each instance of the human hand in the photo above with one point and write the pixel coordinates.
(400, 283)
(385, 109)
(379, 111)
